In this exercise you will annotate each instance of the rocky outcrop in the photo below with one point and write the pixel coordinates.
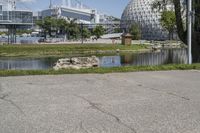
(77, 63)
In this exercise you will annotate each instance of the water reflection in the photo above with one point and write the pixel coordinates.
(110, 61)
(175, 56)
(27, 63)
(178, 56)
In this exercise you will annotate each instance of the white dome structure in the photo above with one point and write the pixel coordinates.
(141, 13)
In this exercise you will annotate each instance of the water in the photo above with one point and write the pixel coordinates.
(27, 63)
(173, 56)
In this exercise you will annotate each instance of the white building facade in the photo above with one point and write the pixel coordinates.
(140, 12)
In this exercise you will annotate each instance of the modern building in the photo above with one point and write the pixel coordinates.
(70, 9)
(11, 19)
(141, 13)
(10, 15)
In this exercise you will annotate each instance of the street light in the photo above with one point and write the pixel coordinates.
(189, 32)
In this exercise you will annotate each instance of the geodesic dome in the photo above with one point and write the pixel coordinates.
(141, 13)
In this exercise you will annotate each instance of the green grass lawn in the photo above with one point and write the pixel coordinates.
(4, 73)
(43, 50)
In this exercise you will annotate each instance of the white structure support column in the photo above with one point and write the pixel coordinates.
(189, 30)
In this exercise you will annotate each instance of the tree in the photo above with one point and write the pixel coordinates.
(168, 22)
(117, 30)
(86, 33)
(135, 31)
(73, 29)
(61, 25)
(48, 24)
(181, 31)
(98, 31)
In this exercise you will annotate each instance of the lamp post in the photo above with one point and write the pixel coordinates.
(189, 32)
(81, 33)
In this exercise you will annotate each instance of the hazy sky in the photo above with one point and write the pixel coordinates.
(111, 7)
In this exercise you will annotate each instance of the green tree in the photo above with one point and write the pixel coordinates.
(118, 30)
(98, 31)
(135, 31)
(58, 26)
(48, 24)
(73, 30)
(61, 25)
(168, 22)
(86, 33)
(181, 30)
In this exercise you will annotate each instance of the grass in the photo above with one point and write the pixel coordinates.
(4, 73)
(44, 50)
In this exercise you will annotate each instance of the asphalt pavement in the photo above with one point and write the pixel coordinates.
(140, 102)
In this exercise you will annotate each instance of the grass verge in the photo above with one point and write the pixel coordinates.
(43, 50)
(4, 73)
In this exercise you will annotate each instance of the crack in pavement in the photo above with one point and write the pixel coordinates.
(82, 127)
(173, 94)
(165, 92)
(4, 98)
(1, 88)
(168, 93)
(117, 119)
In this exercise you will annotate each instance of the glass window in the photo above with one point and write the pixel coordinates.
(1, 8)
(1, 13)
(5, 15)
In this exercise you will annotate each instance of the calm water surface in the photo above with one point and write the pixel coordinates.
(172, 56)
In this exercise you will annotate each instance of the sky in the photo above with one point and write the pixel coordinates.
(110, 7)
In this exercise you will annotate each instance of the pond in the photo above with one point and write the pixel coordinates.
(165, 56)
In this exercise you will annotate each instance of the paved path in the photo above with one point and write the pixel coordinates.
(142, 102)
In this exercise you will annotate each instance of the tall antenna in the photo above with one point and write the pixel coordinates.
(50, 4)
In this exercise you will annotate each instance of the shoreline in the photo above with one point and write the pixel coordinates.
(102, 70)
(44, 50)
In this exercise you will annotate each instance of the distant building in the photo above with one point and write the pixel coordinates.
(75, 10)
(10, 15)
(82, 14)
(141, 13)
(12, 19)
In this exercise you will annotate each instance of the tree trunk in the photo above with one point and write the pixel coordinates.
(172, 35)
(169, 35)
(196, 33)
(179, 22)
(183, 34)
(196, 47)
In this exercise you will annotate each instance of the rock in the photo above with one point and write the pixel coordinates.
(77, 63)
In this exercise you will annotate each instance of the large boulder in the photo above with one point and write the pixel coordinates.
(77, 63)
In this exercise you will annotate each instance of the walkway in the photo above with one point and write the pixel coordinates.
(142, 102)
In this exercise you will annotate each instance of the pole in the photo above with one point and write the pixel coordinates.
(189, 34)
(50, 4)
(81, 33)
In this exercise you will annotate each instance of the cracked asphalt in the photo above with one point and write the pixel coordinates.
(140, 102)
